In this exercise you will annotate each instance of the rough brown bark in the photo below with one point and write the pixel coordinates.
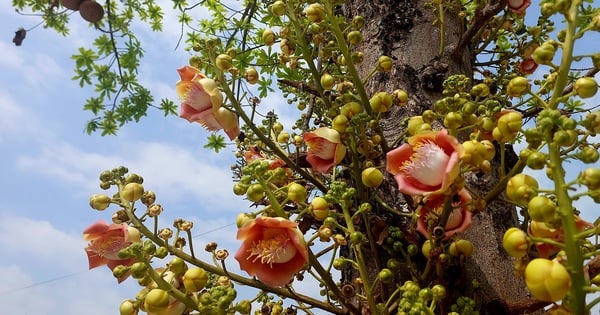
(403, 30)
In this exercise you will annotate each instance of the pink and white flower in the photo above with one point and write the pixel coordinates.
(427, 164)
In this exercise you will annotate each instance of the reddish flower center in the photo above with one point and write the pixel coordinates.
(427, 164)
(109, 246)
(455, 218)
(277, 248)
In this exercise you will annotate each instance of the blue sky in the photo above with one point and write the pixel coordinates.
(49, 168)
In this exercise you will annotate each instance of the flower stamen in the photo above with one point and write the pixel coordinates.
(277, 249)
(427, 164)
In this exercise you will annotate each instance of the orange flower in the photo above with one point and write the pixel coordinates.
(325, 149)
(459, 220)
(202, 100)
(542, 230)
(105, 243)
(273, 250)
(427, 164)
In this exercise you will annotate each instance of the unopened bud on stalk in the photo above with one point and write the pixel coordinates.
(156, 301)
(195, 279)
(268, 37)
(224, 62)
(515, 242)
(132, 192)
(521, 188)
(99, 202)
(315, 12)
(319, 208)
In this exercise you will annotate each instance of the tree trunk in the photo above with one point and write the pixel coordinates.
(404, 31)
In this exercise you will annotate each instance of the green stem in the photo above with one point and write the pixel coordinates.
(576, 299)
(360, 261)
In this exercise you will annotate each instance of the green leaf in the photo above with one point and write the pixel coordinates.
(215, 142)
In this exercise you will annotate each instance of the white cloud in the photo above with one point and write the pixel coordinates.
(173, 172)
(44, 272)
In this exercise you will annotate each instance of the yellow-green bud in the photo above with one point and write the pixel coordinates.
(453, 120)
(340, 123)
(319, 208)
(128, 307)
(480, 90)
(372, 177)
(590, 177)
(278, 8)
(156, 301)
(400, 97)
(251, 75)
(385, 63)
(381, 102)
(283, 137)
(315, 12)
(255, 193)
(515, 242)
(99, 202)
(542, 209)
(517, 87)
(585, 87)
(521, 188)
(268, 37)
(132, 192)
(547, 280)
(327, 81)
(195, 279)
(354, 37)
(296, 192)
(544, 54)
(224, 62)
(350, 109)
(461, 247)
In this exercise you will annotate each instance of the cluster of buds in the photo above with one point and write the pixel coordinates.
(417, 300)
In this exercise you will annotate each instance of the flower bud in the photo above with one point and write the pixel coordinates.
(278, 8)
(453, 120)
(283, 137)
(480, 90)
(536, 160)
(585, 87)
(588, 155)
(255, 193)
(244, 307)
(132, 192)
(515, 242)
(315, 12)
(340, 123)
(461, 247)
(354, 37)
(99, 202)
(372, 177)
(156, 301)
(590, 177)
(224, 62)
(177, 266)
(385, 63)
(380, 102)
(542, 209)
(319, 208)
(386, 275)
(128, 307)
(268, 37)
(521, 188)
(296, 193)
(544, 54)
(327, 81)
(517, 87)
(416, 125)
(350, 109)
(426, 249)
(547, 280)
(195, 279)
(251, 75)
